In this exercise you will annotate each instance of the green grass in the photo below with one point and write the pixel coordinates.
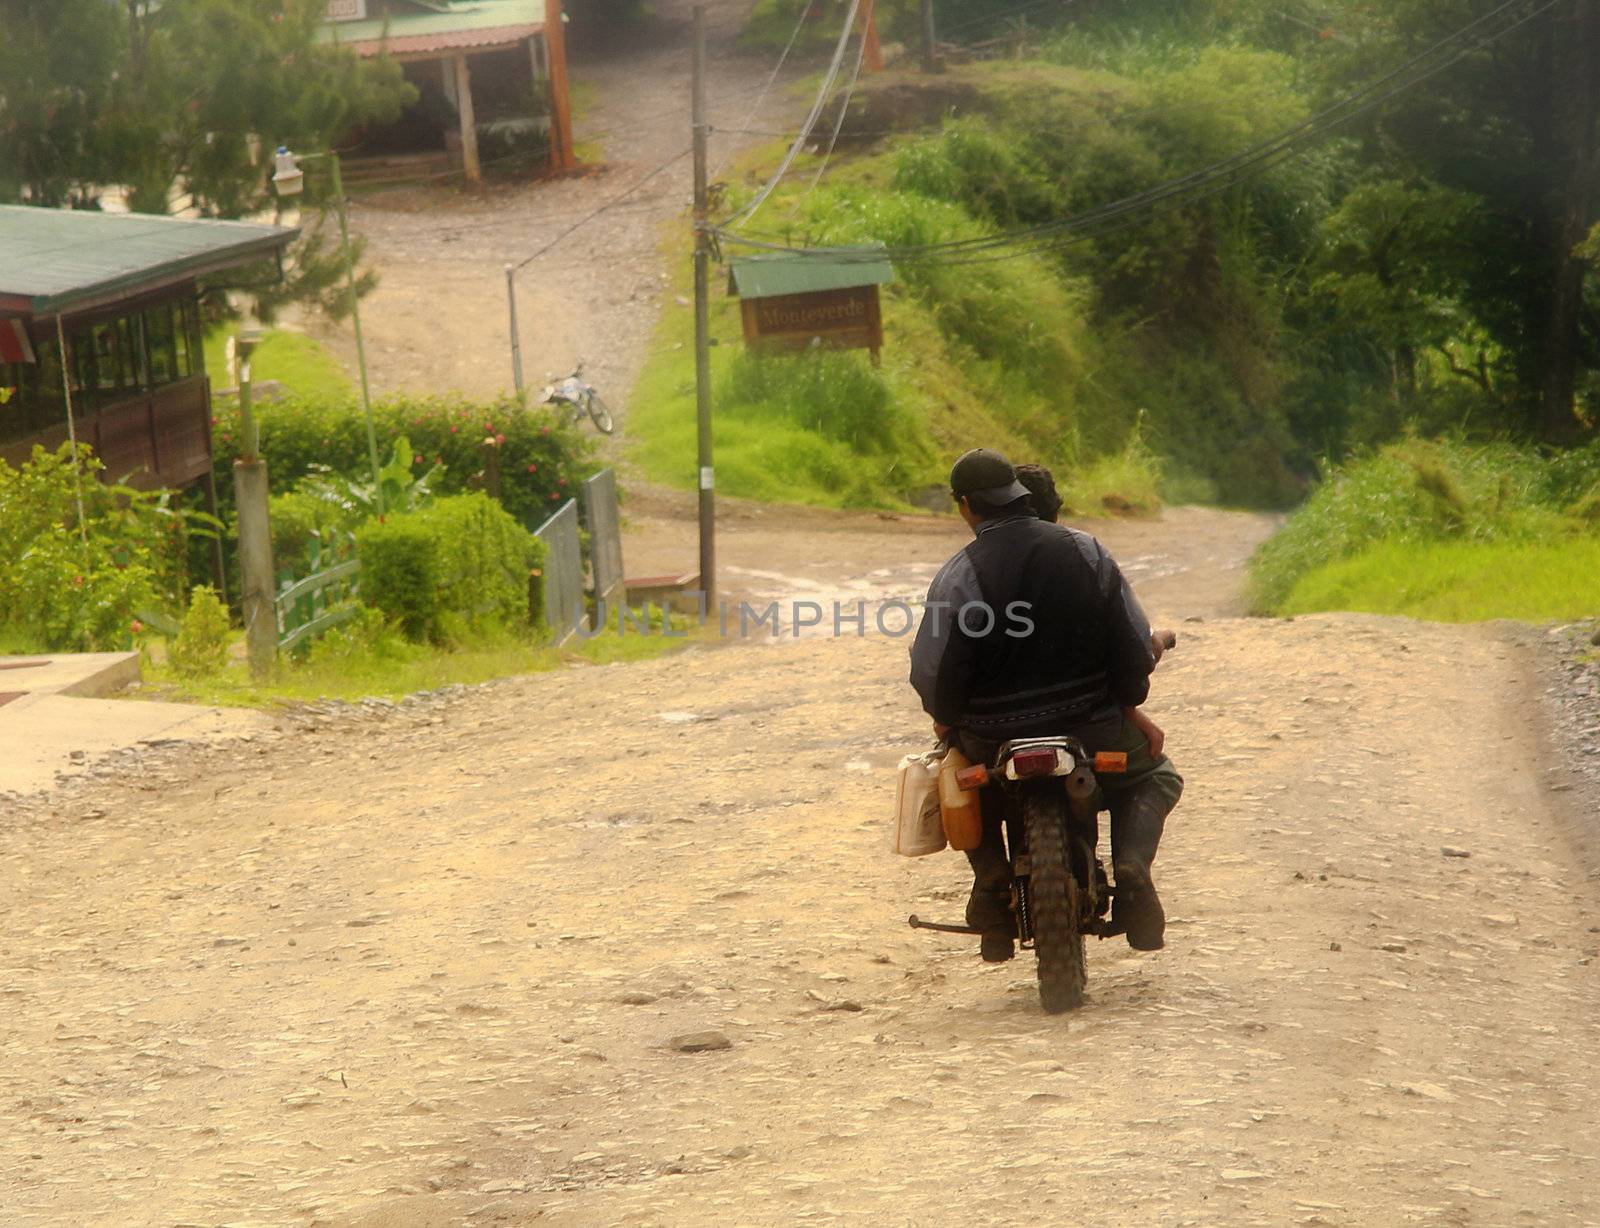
(1419, 491)
(351, 667)
(293, 359)
(1460, 581)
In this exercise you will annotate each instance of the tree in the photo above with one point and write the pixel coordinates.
(186, 96)
(1515, 124)
(181, 102)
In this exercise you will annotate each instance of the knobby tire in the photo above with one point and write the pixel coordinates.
(601, 413)
(1055, 897)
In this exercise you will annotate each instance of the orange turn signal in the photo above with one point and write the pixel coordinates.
(974, 777)
(1111, 761)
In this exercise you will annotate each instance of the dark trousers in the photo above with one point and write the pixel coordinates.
(1139, 801)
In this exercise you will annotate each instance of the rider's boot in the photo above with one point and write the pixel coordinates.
(989, 908)
(1135, 833)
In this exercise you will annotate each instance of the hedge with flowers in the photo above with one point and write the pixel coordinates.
(542, 461)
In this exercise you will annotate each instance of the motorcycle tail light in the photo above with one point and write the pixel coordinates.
(1111, 761)
(974, 777)
(1034, 762)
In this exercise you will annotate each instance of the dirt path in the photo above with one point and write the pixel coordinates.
(438, 320)
(418, 967)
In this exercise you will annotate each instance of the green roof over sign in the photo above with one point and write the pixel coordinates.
(780, 273)
(55, 260)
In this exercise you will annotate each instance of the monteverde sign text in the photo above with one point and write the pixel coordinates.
(839, 319)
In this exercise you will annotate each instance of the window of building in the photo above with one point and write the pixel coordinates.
(160, 345)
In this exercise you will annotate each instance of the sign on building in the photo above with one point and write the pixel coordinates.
(795, 301)
(347, 10)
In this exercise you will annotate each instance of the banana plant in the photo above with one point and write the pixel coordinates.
(358, 499)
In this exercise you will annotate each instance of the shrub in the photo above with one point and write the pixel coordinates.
(308, 533)
(400, 573)
(541, 460)
(201, 648)
(459, 564)
(1415, 491)
(67, 585)
(837, 395)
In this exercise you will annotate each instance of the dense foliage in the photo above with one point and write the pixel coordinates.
(540, 461)
(1426, 269)
(1415, 492)
(184, 101)
(455, 568)
(71, 584)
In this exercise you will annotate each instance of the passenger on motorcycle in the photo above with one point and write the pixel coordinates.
(1031, 631)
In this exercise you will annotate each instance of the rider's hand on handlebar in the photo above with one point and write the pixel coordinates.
(1160, 642)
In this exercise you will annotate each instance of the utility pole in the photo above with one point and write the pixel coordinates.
(516, 333)
(930, 47)
(702, 320)
(355, 320)
(255, 528)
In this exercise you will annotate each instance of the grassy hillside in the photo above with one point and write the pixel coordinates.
(1443, 530)
(1108, 360)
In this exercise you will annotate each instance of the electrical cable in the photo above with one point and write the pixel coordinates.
(838, 124)
(1276, 148)
(755, 107)
(1075, 235)
(828, 81)
(1321, 122)
(610, 204)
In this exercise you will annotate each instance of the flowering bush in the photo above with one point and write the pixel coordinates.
(540, 459)
(80, 586)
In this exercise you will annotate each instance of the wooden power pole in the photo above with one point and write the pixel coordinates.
(930, 45)
(702, 320)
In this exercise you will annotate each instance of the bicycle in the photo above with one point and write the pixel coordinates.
(580, 398)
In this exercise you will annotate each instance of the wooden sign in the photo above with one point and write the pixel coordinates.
(847, 319)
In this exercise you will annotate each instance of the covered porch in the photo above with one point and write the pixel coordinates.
(490, 77)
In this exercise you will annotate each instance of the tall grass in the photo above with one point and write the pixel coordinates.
(1460, 581)
(1411, 495)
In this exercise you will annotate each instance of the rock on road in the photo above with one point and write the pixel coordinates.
(624, 945)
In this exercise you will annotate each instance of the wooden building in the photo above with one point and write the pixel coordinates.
(120, 290)
(478, 65)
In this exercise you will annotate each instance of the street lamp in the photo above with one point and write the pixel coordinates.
(290, 180)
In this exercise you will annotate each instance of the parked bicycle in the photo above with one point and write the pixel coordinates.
(579, 397)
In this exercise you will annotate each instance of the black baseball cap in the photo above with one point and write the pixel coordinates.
(986, 478)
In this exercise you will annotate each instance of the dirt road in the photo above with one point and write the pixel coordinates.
(438, 320)
(423, 966)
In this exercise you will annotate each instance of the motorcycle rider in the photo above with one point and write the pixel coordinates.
(1031, 631)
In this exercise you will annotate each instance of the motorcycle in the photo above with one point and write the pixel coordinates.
(1060, 890)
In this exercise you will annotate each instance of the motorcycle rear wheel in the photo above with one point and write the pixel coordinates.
(1054, 895)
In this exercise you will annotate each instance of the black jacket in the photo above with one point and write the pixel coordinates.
(1029, 631)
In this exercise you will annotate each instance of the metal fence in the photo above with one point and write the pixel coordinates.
(605, 539)
(564, 611)
(307, 608)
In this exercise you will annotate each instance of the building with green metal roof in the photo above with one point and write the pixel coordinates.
(117, 294)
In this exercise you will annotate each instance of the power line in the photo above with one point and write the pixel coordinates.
(1225, 173)
(828, 80)
(844, 110)
(755, 107)
(608, 205)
